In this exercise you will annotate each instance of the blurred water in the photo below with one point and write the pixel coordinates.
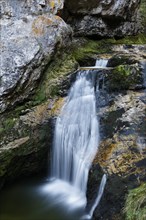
(76, 141)
(29, 200)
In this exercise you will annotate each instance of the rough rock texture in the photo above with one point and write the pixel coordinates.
(26, 132)
(103, 18)
(122, 151)
(31, 33)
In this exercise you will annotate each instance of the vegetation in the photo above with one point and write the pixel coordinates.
(124, 77)
(143, 13)
(90, 48)
(135, 207)
(7, 124)
(50, 85)
(138, 39)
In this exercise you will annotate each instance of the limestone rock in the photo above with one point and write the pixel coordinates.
(103, 18)
(30, 36)
(26, 132)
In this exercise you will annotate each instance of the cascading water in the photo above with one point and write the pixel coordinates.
(76, 142)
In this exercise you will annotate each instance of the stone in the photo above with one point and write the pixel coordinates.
(28, 43)
(26, 132)
(103, 18)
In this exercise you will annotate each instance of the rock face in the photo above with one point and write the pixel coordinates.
(31, 33)
(122, 151)
(103, 18)
(26, 132)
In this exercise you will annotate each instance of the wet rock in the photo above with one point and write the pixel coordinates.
(122, 59)
(125, 77)
(122, 151)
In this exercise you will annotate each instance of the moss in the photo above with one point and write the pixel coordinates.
(7, 125)
(138, 39)
(125, 77)
(143, 12)
(120, 59)
(135, 206)
(87, 48)
(90, 48)
(40, 96)
(54, 75)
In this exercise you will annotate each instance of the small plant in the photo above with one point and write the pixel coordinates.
(135, 207)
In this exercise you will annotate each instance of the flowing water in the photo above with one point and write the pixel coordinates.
(76, 142)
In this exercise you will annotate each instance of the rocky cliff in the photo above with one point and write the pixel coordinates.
(37, 70)
(31, 33)
(103, 18)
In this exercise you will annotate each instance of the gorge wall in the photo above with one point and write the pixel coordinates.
(40, 57)
(33, 32)
(103, 18)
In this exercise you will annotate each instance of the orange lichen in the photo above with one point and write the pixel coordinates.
(104, 153)
(39, 24)
(57, 17)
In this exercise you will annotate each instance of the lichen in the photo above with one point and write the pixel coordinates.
(56, 107)
(39, 24)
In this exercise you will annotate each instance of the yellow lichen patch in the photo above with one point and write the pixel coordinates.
(57, 107)
(39, 24)
(104, 153)
(52, 4)
(119, 158)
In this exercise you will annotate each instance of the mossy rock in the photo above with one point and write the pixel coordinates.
(143, 13)
(128, 40)
(54, 76)
(125, 77)
(86, 51)
(121, 59)
(135, 206)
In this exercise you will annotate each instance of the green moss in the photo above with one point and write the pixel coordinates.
(6, 125)
(135, 207)
(54, 75)
(124, 77)
(138, 39)
(40, 96)
(1, 130)
(123, 70)
(90, 48)
(143, 12)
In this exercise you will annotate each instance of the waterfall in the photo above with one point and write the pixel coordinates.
(101, 62)
(76, 142)
(76, 134)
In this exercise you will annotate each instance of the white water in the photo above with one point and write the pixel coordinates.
(101, 62)
(76, 142)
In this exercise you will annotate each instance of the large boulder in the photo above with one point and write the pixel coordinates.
(31, 33)
(103, 18)
(26, 132)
